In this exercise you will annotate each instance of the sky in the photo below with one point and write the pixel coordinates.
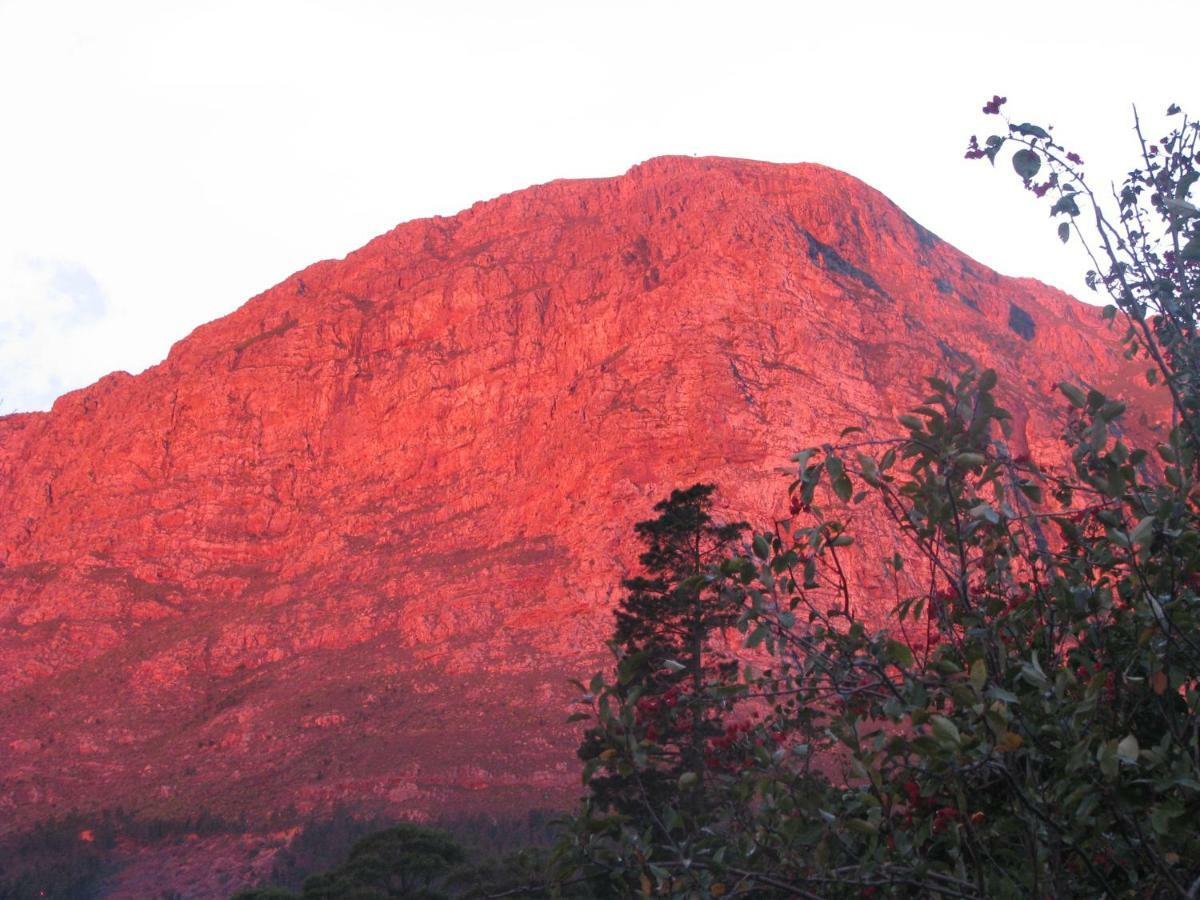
(161, 162)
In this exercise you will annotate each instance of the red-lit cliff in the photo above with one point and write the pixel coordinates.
(348, 542)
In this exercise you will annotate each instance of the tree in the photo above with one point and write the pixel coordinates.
(668, 660)
(404, 861)
(321, 844)
(1028, 722)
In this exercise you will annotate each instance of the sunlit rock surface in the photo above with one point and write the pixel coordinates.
(349, 542)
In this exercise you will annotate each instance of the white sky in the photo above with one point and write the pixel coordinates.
(161, 161)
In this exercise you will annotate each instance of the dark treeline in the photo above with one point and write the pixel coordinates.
(66, 857)
(69, 857)
(492, 846)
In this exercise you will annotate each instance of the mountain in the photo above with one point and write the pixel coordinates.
(348, 542)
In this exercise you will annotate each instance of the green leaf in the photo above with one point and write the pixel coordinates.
(838, 479)
(833, 465)
(1179, 207)
(1026, 163)
(987, 379)
(985, 511)
(1064, 231)
(1033, 674)
(993, 145)
(762, 549)
(998, 693)
(687, 779)
(979, 674)
(870, 471)
(1074, 394)
(1143, 532)
(1106, 756)
(842, 487)
(862, 826)
(899, 654)
(1028, 129)
(911, 422)
(1065, 204)
(672, 666)
(945, 730)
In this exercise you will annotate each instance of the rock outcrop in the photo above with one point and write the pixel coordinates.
(348, 542)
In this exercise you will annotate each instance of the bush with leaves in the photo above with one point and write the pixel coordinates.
(1028, 723)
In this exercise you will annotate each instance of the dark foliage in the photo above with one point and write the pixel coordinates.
(65, 858)
(666, 643)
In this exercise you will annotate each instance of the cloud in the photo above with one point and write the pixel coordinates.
(49, 313)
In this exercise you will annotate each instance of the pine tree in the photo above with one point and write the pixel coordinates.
(666, 627)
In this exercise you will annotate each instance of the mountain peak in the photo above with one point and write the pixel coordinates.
(347, 543)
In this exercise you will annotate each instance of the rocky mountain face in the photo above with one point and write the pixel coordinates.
(348, 542)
